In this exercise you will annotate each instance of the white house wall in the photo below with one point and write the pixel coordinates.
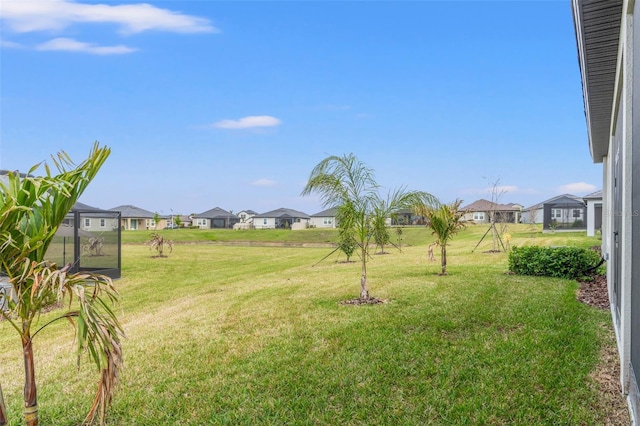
(322, 222)
(264, 222)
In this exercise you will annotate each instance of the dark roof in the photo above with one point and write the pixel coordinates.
(566, 201)
(249, 211)
(215, 213)
(133, 211)
(597, 26)
(330, 212)
(78, 206)
(283, 213)
(483, 205)
(554, 200)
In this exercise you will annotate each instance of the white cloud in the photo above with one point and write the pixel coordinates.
(577, 187)
(56, 15)
(264, 182)
(248, 122)
(10, 44)
(70, 45)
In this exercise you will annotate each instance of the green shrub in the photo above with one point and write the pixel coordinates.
(561, 262)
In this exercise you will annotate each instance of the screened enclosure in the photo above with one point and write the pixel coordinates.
(88, 239)
(565, 214)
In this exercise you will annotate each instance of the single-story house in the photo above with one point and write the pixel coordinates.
(324, 219)
(608, 42)
(281, 218)
(406, 217)
(480, 211)
(134, 218)
(185, 220)
(92, 219)
(559, 208)
(594, 212)
(215, 218)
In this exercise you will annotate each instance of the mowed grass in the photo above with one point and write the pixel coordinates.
(233, 335)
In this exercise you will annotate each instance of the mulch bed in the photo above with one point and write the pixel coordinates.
(594, 292)
(359, 301)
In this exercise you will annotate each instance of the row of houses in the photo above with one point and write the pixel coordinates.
(562, 212)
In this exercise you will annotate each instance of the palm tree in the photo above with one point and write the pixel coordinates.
(31, 210)
(349, 185)
(158, 242)
(445, 220)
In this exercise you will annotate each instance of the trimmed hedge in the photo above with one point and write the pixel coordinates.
(560, 262)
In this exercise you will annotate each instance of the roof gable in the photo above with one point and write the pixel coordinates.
(283, 213)
(331, 212)
(133, 211)
(483, 205)
(215, 213)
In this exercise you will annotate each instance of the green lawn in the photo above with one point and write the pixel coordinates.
(245, 335)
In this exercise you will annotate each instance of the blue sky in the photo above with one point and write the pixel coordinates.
(231, 104)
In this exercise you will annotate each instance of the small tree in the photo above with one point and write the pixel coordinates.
(156, 220)
(31, 210)
(346, 236)
(380, 229)
(177, 220)
(445, 220)
(157, 243)
(349, 185)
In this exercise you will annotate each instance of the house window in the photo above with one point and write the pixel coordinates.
(151, 223)
(327, 221)
(103, 223)
(577, 213)
(478, 216)
(264, 221)
(87, 223)
(556, 213)
(201, 222)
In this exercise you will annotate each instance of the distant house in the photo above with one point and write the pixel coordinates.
(324, 219)
(559, 208)
(282, 218)
(480, 211)
(93, 219)
(185, 220)
(215, 218)
(406, 217)
(134, 218)
(594, 212)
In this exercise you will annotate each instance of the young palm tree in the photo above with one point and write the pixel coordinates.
(445, 220)
(31, 210)
(349, 185)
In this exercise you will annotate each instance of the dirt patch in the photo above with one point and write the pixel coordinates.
(360, 301)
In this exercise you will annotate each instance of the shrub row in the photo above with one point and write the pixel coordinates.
(561, 262)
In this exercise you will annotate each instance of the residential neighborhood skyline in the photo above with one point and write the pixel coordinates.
(232, 104)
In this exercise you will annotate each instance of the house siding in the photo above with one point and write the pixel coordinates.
(621, 183)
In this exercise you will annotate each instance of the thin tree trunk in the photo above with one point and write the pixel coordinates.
(30, 399)
(364, 288)
(443, 255)
(3, 410)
